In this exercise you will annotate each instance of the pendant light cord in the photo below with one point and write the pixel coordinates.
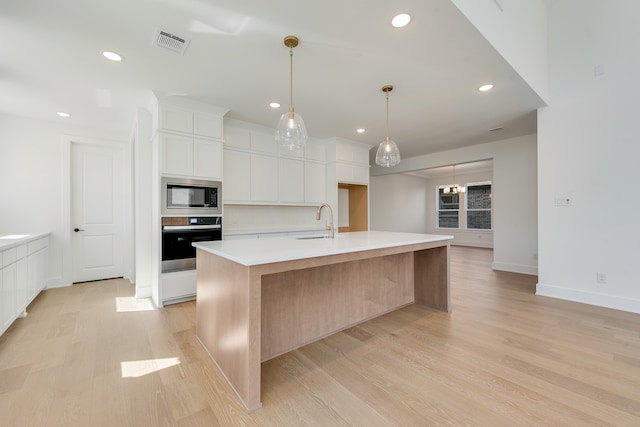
(387, 93)
(291, 82)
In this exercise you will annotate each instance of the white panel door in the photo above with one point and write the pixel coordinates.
(96, 212)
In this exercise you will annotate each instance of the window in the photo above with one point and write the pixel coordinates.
(470, 210)
(448, 209)
(479, 206)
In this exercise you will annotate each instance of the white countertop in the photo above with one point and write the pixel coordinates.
(8, 241)
(265, 251)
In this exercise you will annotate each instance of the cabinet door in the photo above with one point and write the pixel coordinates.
(177, 155)
(207, 125)
(315, 150)
(177, 119)
(315, 188)
(352, 174)
(291, 180)
(207, 159)
(237, 176)
(22, 284)
(264, 178)
(265, 142)
(9, 309)
(239, 138)
(37, 266)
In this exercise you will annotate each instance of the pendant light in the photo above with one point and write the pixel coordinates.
(291, 132)
(388, 154)
(456, 188)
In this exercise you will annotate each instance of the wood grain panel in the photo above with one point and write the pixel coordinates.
(432, 278)
(301, 306)
(228, 322)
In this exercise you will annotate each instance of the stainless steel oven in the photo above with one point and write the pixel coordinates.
(177, 235)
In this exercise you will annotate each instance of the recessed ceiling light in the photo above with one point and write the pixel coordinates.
(112, 56)
(485, 88)
(400, 20)
(63, 114)
(360, 130)
(274, 105)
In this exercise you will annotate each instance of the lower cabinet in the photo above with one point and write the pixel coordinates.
(23, 276)
(178, 286)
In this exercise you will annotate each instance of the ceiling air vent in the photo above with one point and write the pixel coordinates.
(170, 41)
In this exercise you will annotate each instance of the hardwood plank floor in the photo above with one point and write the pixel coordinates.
(503, 356)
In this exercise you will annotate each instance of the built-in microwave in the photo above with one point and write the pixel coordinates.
(183, 196)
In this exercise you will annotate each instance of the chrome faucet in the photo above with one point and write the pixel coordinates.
(330, 226)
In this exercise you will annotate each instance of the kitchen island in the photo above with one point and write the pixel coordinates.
(260, 298)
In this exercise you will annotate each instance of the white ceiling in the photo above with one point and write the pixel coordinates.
(50, 61)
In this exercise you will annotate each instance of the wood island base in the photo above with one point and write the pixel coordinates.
(248, 314)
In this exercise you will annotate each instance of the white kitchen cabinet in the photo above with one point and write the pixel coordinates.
(176, 152)
(176, 119)
(184, 120)
(237, 176)
(237, 138)
(352, 174)
(8, 289)
(178, 286)
(352, 153)
(290, 180)
(315, 185)
(190, 157)
(208, 125)
(264, 142)
(37, 266)
(207, 159)
(264, 178)
(22, 282)
(315, 150)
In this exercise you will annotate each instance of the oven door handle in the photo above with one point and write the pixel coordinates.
(190, 227)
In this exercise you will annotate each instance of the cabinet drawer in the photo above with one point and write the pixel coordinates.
(22, 251)
(9, 256)
(36, 245)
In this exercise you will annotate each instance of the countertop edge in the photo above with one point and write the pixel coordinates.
(11, 243)
(324, 252)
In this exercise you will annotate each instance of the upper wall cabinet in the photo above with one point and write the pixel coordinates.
(192, 122)
(351, 160)
(190, 137)
(257, 171)
(191, 157)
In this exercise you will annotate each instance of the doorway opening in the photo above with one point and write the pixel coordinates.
(353, 211)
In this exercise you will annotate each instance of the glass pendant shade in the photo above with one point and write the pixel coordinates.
(291, 132)
(388, 154)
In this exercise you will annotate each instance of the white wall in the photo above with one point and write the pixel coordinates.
(32, 172)
(518, 30)
(588, 151)
(398, 203)
(515, 233)
(462, 237)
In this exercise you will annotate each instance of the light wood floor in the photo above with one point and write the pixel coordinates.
(502, 357)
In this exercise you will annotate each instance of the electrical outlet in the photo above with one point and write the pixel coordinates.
(601, 278)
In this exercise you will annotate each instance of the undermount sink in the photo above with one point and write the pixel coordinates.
(314, 237)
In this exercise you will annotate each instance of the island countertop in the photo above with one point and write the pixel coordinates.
(252, 252)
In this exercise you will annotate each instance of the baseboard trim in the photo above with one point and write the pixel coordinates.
(592, 298)
(515, 268)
